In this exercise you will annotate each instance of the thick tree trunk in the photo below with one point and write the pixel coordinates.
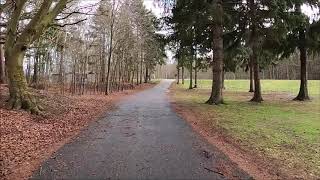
(257, 97)
(2, 72)
(217, 65)
(251, 89)
(303, 92)
(20, 97)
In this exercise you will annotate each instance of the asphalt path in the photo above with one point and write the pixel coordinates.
(142, 139)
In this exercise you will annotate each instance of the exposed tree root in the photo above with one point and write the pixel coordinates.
(301, 98)
(26, 102)
(257, 99)
(211, 101)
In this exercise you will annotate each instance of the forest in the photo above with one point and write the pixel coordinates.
(77, 47)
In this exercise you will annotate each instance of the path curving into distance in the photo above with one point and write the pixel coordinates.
(142, 139)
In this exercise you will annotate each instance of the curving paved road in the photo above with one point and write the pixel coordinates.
(142, 139)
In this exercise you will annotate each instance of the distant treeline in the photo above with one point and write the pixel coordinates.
(288, 69)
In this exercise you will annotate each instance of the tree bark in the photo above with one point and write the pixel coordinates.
(35, 69)
(141, 68)
(303, 92)
(107, 91)
(251, 89)
(61, 69)
(103, 59)
(182, 74)
(257, 97)
(191, 77)
(20, 97)
(137, 78)
(146, 75)
(217, 65)
(178, 74)
(195, 75)
(2, 73)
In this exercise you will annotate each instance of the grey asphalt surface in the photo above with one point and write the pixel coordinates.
(142, 139)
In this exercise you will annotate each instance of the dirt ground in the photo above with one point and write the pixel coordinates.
(28, 140)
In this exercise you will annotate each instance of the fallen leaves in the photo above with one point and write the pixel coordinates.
(27, 140)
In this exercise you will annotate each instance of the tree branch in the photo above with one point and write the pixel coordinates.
(70, 24)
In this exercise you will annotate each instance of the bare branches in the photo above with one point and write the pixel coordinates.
(70, 24)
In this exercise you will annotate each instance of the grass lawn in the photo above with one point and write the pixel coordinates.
(278, 128)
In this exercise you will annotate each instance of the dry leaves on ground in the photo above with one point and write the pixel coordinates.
(28, 140)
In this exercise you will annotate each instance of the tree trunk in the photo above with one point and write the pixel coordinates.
(195, 75)
(141, 68)
(217, 65)
(178, 74)
(28, 75)
(146, 75)
(182, 74)
(20, 97)
(257, 97)
(137, 78)
(61, 69)
(2, 73)
(251, 76)
(303, 92)
(103, 59)
(35, 69)
(107, 90)
(190, 82)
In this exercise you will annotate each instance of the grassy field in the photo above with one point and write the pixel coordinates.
(268, 86)
(279, 128)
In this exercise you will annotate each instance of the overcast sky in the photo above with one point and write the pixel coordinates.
(153, 7)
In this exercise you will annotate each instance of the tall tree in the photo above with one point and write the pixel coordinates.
(216, 96)
(302, 35)
(17, 43)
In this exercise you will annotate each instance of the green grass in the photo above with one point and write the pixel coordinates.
(290, 86)
(279, 128)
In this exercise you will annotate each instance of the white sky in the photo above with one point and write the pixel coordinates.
(153, 7)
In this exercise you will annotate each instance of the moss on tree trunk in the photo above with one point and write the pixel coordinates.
(20, 97)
